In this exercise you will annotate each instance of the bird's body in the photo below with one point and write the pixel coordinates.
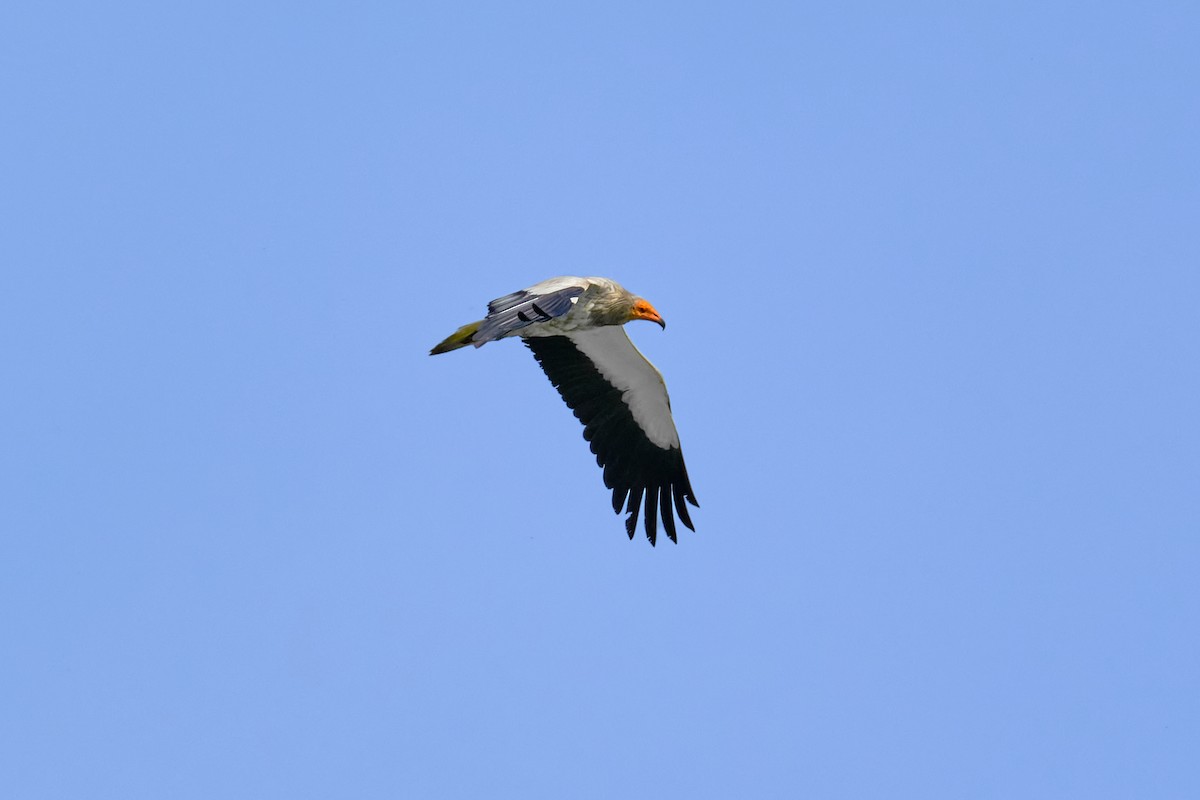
(573, 326)
(554, 307)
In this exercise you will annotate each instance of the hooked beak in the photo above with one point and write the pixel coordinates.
(644, 310)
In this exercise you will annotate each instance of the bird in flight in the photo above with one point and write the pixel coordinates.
(574, 328)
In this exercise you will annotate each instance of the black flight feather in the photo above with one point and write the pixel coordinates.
(634, 467)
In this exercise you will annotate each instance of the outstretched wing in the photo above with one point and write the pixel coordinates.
(622, 402)
(509, 314)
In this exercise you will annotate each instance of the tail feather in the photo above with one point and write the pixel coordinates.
(460, 338)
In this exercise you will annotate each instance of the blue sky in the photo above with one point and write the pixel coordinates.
(931, 281)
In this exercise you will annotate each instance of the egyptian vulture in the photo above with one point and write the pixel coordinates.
(574, 328)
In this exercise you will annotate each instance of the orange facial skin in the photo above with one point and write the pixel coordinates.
(643, 310)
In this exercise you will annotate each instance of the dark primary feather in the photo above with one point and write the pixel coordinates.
(634, 467)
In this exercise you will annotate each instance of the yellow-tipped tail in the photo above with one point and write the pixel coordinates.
(460, 338)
